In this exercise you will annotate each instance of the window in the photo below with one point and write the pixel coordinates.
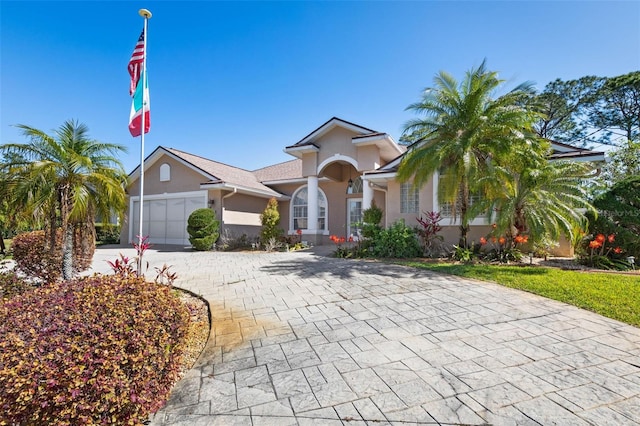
(165, 172)
(299, 207)
(409, 200)
(446, 209)
(356, 187)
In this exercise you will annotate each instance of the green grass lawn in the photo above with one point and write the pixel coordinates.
(615, 296)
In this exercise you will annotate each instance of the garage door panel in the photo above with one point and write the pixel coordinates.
(165, 219)
(175, 209)
(158, 210)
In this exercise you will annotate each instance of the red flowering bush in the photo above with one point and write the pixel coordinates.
(101, 350)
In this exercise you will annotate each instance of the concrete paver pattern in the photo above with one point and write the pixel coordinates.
(304, 339)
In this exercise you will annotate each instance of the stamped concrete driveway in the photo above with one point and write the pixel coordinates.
(301, 338)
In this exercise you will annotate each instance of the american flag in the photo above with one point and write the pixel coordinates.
(135, 63)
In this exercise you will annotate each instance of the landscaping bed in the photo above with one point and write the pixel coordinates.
(96, 350)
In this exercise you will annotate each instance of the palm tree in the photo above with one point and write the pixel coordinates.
(532, 195)
(462, 129)
(66, 179)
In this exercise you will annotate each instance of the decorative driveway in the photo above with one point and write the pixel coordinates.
(304, 339)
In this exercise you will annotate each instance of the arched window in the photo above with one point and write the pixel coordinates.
(299, 209)
(165, 172)
(356, 187)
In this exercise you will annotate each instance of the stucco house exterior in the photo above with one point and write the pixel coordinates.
(339, 169)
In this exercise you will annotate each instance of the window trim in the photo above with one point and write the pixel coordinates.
(324, 231)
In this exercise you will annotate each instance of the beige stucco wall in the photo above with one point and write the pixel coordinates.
(182, 179)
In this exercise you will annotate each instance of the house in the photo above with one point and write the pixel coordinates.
(339, 170)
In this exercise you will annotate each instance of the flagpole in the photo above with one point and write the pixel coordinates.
(146, 15)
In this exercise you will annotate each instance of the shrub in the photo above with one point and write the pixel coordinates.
(428, 233)
(203, 227)
(399, 241)
(98, 350)
(371, 218)
(107, 233)
(34, 259)
(270, 219)
(12, 285)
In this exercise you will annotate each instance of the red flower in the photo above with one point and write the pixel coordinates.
(502, 240)
(494, 226)
(494, 239)
(595, 244)
(525, 238)
(342, 239)
(600, 238)
(617, 250)
(483, 241)
(299, 232)
(519, 239)
(351, 238)
(611, 238)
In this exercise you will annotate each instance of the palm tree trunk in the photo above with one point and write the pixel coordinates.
(67, 253)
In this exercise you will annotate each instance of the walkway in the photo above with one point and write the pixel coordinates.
(303, 339)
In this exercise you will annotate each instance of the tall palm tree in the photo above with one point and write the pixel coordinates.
(462, 128)
(64, 178)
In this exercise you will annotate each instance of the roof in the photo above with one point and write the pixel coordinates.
(282, 171)
(215, 174)
(328, 125)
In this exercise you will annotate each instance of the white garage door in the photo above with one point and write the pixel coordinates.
(165, 219)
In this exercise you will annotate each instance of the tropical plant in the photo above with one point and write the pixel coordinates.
(202, 227)
(428, 233)
(534, 196)
(64, 180)
(270, 219)
(371, 218)
(462, 128)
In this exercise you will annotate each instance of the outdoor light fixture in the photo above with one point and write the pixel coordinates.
(212, 202)
(632, 261)
(350, 183)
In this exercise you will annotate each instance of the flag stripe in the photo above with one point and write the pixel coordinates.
(136, 63)
(139, 103)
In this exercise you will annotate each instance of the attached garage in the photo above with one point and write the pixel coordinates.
(165, 216)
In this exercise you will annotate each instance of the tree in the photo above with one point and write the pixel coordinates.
(536, 197)
(462, 129)
(590, 110)
(561, 105)
(615, 107)
(64, 179)
(270, 219)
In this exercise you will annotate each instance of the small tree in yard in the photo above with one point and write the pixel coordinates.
(270, 219)
(203, 229)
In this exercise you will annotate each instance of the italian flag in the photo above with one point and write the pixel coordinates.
(140, 102)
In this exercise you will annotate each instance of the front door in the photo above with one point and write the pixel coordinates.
(354, 218)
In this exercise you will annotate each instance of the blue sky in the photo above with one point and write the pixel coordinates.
(238, 81)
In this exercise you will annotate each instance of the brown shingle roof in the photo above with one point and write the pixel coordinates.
(282, 171)
(224, 173)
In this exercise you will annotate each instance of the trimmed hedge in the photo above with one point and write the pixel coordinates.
(100, 350)
(203, 229)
